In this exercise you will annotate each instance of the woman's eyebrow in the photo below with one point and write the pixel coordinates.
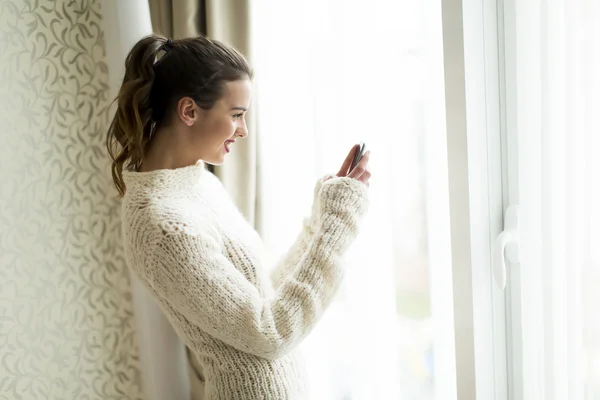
(239, 108)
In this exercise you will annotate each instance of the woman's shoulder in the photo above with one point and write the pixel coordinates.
(180, 216)
(166, 215)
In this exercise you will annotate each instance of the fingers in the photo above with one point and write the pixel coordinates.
(348, 161)
(361, 168)
(360, 172)
(365, 176)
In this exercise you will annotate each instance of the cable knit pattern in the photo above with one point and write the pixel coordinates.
(189, 244)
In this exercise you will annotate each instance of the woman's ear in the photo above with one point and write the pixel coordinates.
(187, 111)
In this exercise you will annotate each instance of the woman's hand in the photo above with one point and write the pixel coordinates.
(360, 172)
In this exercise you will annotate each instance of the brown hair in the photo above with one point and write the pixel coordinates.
(197, 67)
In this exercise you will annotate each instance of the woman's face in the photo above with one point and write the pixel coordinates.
(224, 122)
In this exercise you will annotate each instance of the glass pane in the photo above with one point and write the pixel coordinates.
(328, 75)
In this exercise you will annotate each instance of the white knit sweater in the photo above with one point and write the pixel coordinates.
(189, 244)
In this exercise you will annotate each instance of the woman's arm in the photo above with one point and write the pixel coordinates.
(290, 260)
(193, 276)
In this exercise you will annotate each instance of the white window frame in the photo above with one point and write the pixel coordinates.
(476, 126)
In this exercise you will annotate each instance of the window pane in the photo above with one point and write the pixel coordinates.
(330, 74)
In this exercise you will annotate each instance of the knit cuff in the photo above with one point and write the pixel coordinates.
(344, 194)
(316, 206)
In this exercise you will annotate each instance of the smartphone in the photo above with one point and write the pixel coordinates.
(358, 155)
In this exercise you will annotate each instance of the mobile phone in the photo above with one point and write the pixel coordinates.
(358, 155)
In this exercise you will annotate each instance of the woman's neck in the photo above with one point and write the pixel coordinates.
(165, 151)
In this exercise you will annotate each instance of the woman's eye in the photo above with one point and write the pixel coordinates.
(237, 115)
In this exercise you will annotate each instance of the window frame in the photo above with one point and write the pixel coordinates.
(476, 126)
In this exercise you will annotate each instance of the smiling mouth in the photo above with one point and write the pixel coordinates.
(227, 145)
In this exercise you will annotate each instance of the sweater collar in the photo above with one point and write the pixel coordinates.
(183, 178)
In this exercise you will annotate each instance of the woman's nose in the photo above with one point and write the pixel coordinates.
(243, 130)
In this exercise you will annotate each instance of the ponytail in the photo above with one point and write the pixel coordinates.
(132, 126)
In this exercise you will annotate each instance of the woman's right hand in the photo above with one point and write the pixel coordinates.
(360, 172)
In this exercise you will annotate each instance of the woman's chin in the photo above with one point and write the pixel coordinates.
(218, 160)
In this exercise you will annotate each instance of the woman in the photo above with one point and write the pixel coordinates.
(189, 244)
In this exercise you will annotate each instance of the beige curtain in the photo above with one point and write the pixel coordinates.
(229, 22)
(66, 326)
(177, 19)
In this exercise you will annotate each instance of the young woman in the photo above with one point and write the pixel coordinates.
(188, 243)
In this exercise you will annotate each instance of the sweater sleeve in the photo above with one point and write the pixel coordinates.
(290, 259)
(192, 274)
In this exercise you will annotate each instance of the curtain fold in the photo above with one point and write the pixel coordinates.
(230, 22)
(177, 19)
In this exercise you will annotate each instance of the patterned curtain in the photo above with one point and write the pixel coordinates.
(66, 326)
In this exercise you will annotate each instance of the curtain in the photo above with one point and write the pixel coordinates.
(177, 19)
(230, 22)
(66, 326)
(569, 101)
(554, 97)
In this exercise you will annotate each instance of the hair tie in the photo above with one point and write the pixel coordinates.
(168, 45)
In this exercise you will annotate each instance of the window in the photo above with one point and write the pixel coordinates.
(473, 110)
(330, 74)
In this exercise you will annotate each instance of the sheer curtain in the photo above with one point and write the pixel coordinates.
(329, 74)
(570, 100)
(553, 83)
